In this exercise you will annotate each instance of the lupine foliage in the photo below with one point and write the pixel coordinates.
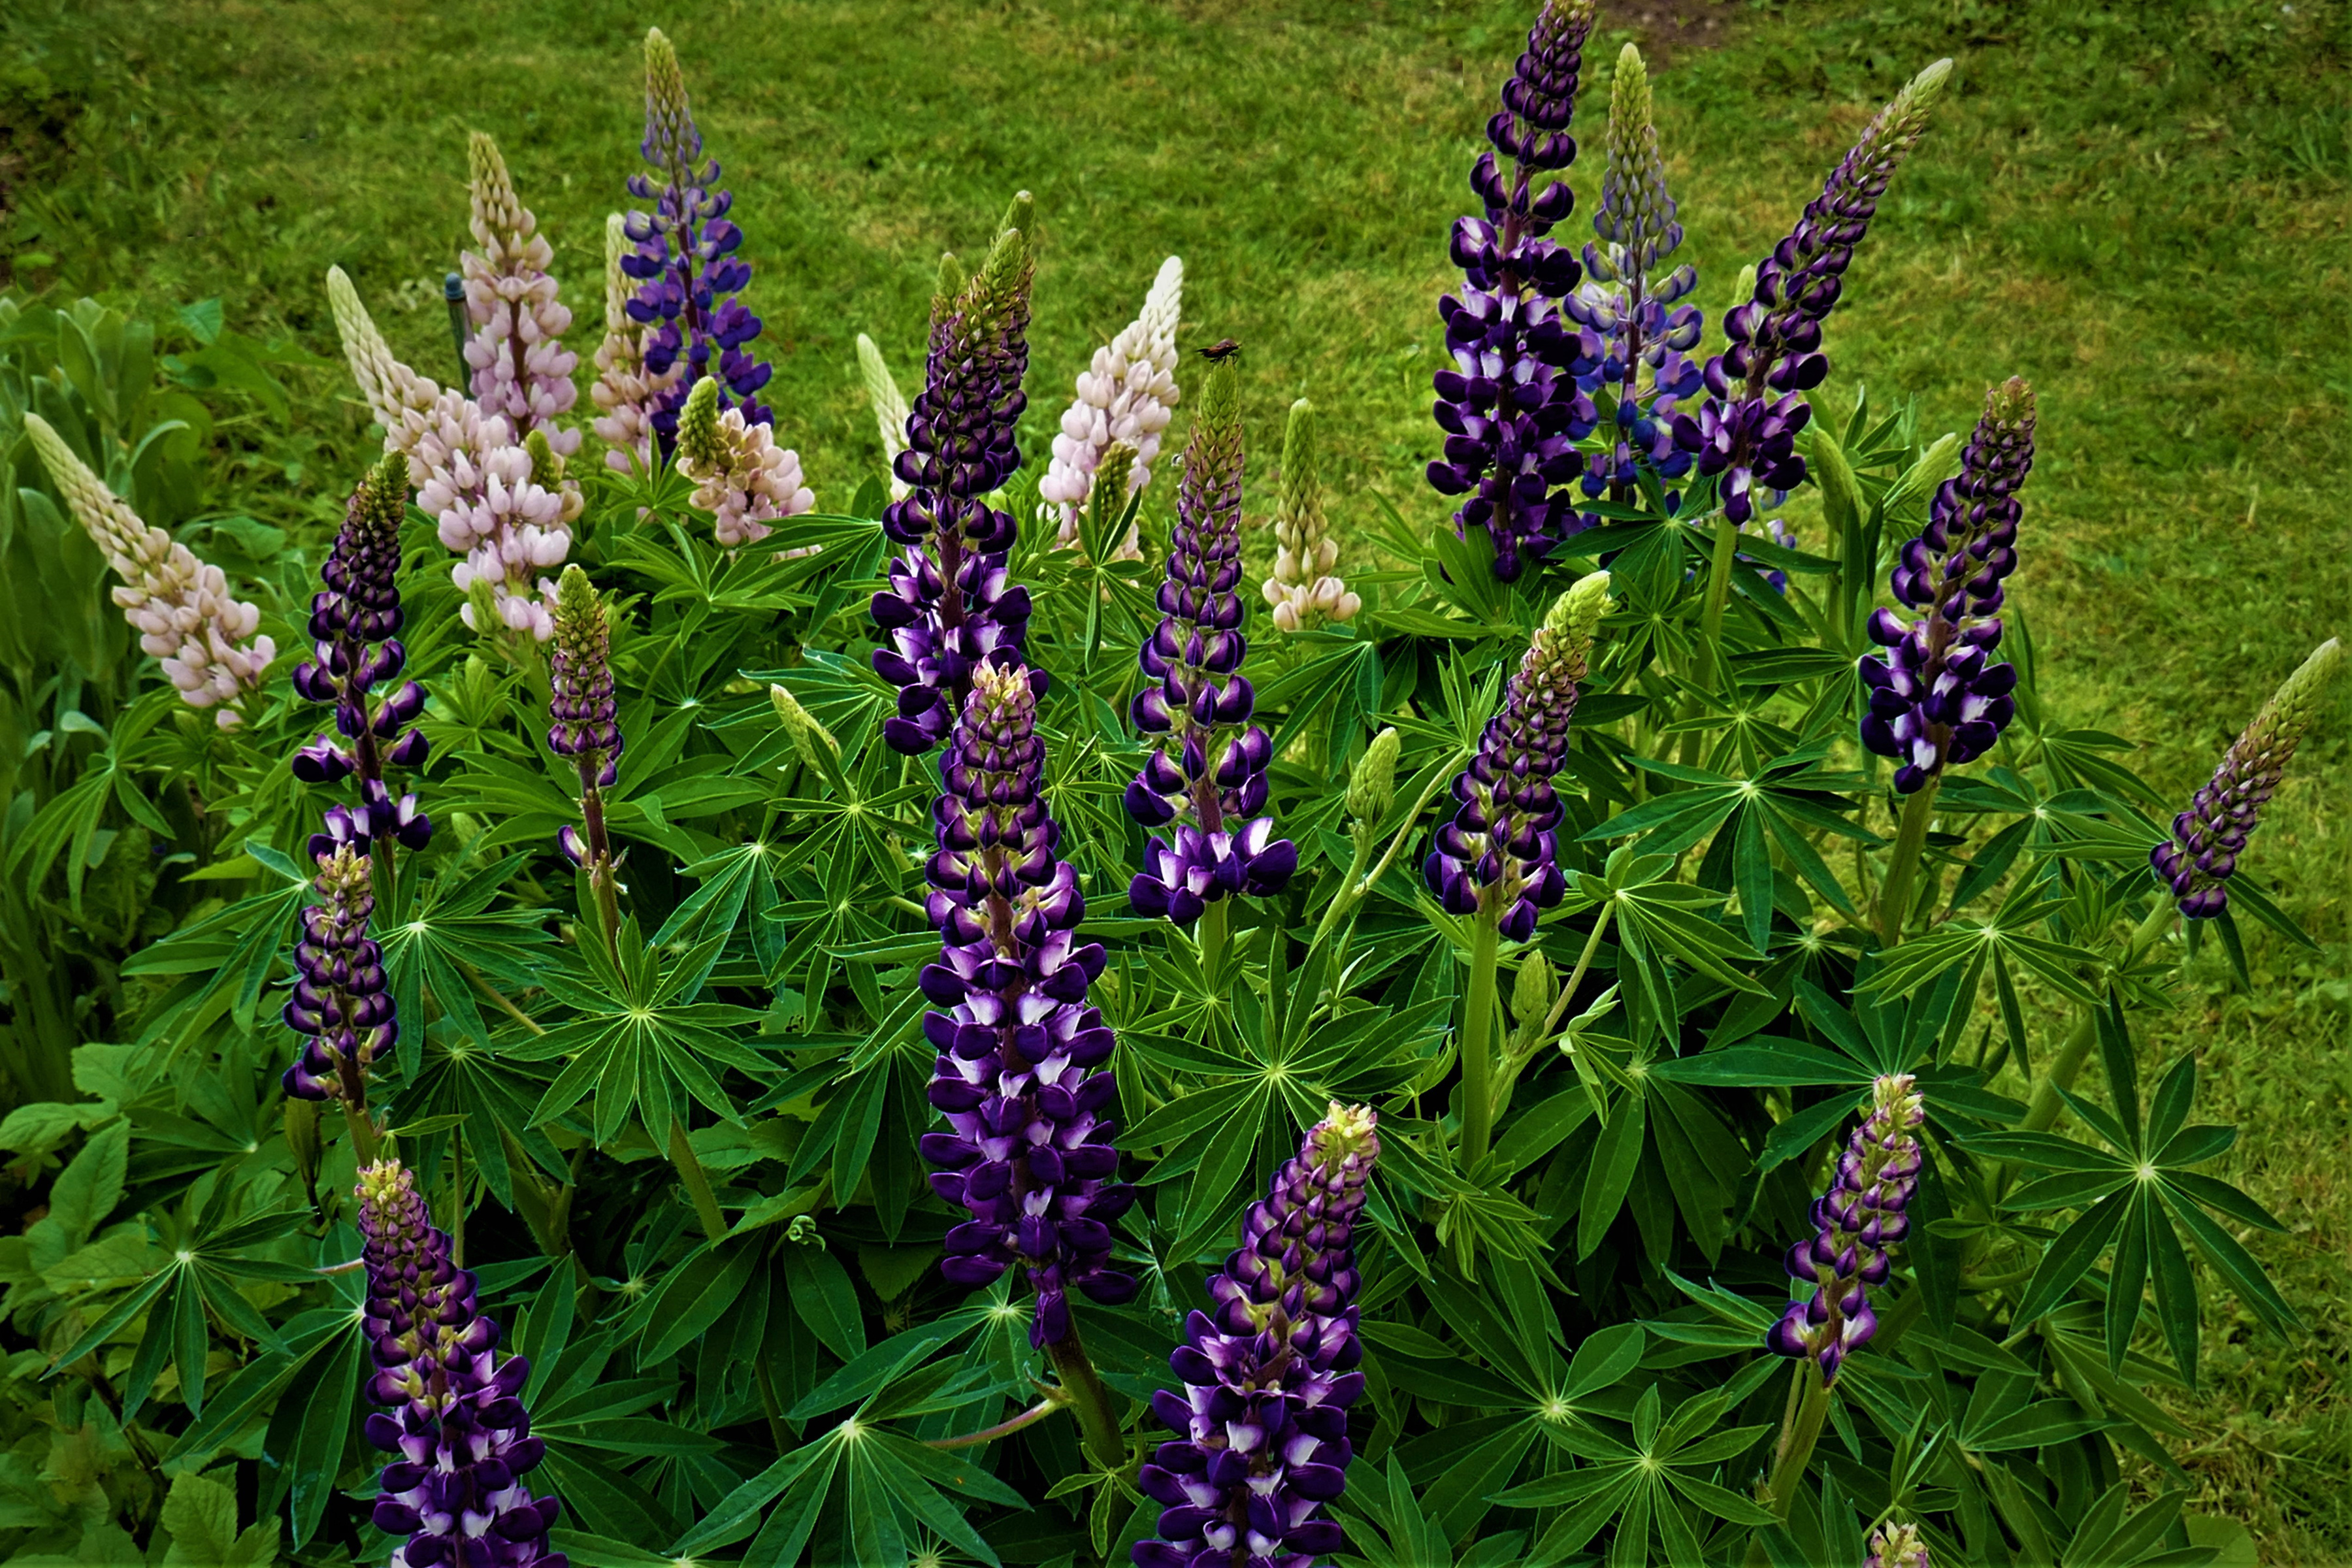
(667, 1051)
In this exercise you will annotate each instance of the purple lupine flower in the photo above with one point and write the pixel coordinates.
(2208, 837)
(355, 622)
(1742, 433)
(340, 1004)
(1498, 852)
(949, 604)
(1893, 1546)
(459, 1434)
(1206, 772)
(1512, 409)
(1629, 313)
(1854, 1222)
(1262, 1426)
(587, 716)
(690, 278)
(1029, 1152)
(1934, 698)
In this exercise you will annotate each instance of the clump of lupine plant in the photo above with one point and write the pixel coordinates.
(208, 642)
(1270, 1370)
(690, 280)
(521, 369)
(1512, 409)
(1126, 397)
(2199, 857)
(456, 1426)
(355, 619)
(949, 604)
(1305, 587)
(741, 475)
(1207, 774)
(1528, 1243)
(1628, 306)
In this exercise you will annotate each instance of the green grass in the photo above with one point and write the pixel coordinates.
(2140, 208)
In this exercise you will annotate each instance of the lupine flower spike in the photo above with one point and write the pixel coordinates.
(1021, 1055)
(341, 1005)
(354, 624)
(949, 604)
(521, 369)
(208, 643)
(740, 473)
(587, 716)
(2196, 862)
(626, 391)
(889, 409)
(1627, 308)
(1206, 772)
(1305, 587)
(1125, 395)
(1934, 698)
(1511, 409)
(491, 502)
(1893, 1546)
(454, 1425)
(1269, 1373)
(1500, 853)
(690, 280)
(1855, 1224)
(1747, 429)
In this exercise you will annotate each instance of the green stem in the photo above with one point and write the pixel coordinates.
(1583, 963)
(1895, 896)
(1477, 1043)
(1029, 1417)
(363, 1133)
(1212, 931)
(1345, 900)
(458, 1181)
(1091, 1400)
(1719, 590)
(1799, 1432)
(1435, 780)
(698, 1181)
(2041, 1114)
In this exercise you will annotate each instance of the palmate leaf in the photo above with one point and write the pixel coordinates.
(2143, 1203)
(1665, 1477)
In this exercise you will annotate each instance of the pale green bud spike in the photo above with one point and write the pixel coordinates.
(1221, 403)
(1371, 787)
(1005, 273)
(697, 427)
(802, 726)
(546, 468)
(385, 491)
(1577, 613)
(2304, 696)
(482, 600)
(669, 118)
(1020, 215)
(1112, 474)
(1629, 105)
(952, 282)
(1533, 992)
(1302, 489)
(882, 391)
(579, 613)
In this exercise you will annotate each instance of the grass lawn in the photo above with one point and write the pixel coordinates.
(2140, 207)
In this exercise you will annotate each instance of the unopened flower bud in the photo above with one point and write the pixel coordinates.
(806, 732)
(1371, 787)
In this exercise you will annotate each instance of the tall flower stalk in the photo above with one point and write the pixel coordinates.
(587, 731)
(522, 371)
(1936, 699)
(1511, 409)
(1206, 771)
(1304, 586)
(355, 620)
(1627, 307)
(341, 1005)
(625, 390)
(1498, 860)
(1020, 1073)
(1746, 430)
(2196, 861)
(690, 278)
(455, 1426)
(209, 643)
(1269, 1372)
(491, 500)
(949, 604)
(1126, 396)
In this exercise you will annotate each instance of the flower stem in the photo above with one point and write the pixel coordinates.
(363, 1133)
(1895, 896)
(1800, 1430)
(1477, 1043)
(1029, 1417)
(1090, 1398)
(697, 1179)
(1583, 963)
(1719, 590)
(2041, 1114)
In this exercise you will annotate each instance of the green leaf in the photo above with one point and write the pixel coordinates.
(1615, 1160)
(2067, 1258)
(825, 1299)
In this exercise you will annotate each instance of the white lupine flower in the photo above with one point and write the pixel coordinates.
(522, 369)
(624, 389)
(181, 606)
(470, 471)
(740, 473)
(1304, 585)
(1127, 394)
(889, 410)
